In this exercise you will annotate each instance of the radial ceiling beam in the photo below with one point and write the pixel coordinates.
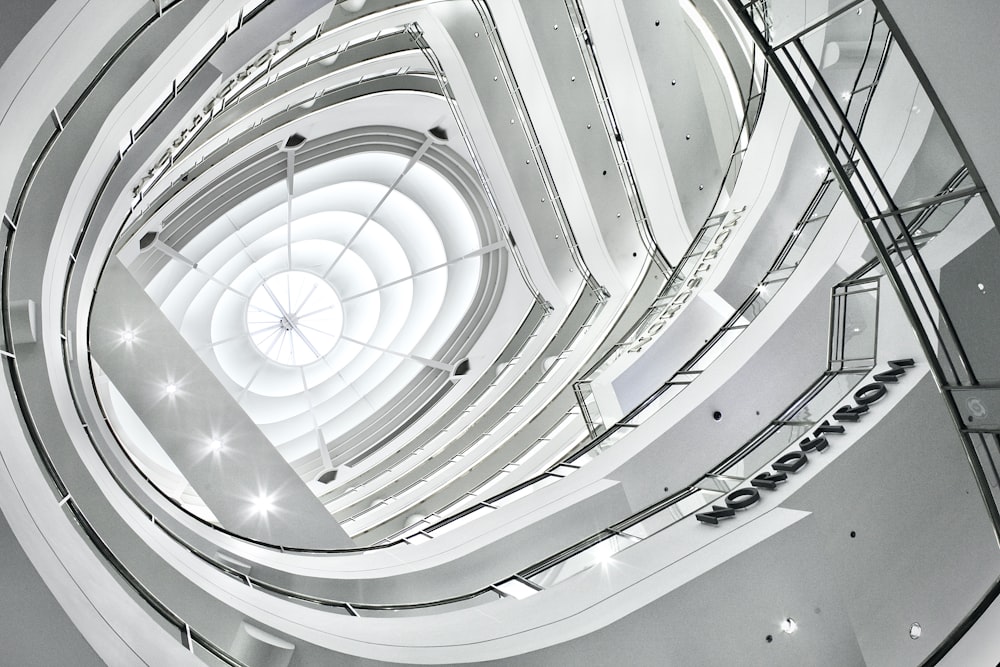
(485, 250)
(392, 188)
(440, 365)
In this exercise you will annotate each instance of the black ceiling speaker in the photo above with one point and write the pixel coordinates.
(327, 476)
(461, 368)
(147, 240)
(293, 142)
(438, 133)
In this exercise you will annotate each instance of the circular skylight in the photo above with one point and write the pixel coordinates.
(294, 318)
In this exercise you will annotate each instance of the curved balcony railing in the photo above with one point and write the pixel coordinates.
(535, 146)
(525, 581)
(604, 442)
(249, 86)
(794, 248)
(891, 217)
(188, 635)
(595, 445)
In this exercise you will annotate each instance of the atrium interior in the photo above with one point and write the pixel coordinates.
(507, 332)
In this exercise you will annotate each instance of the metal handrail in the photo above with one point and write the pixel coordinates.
(676, 274)
(162, 609)
(28, 420)
(534, 145)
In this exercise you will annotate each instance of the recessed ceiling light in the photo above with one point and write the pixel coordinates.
(263, 504)
(128, 336)
(820, 171)
(916, 631)
(171, 389)
(788, 626)
(215, 444)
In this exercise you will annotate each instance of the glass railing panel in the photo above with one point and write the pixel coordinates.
(780, 274)
(517, 588)
(804, 236)
(672, 513)
(614, 434)
(860, 325)
(665, 396)
(483, 597)
(456, 506)
(827, 398)
(712, 353)
(719, 483)
(789, 18)
(418, 538)
(848, 49)
(762, 296)
(828, 198)
(768, 449)
(439, 530)
(934, 165)
(590, 408)
(600, 553)
(541, 483)
(936, 218)
(704, 236)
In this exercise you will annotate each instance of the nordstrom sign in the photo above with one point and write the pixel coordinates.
(792, 462)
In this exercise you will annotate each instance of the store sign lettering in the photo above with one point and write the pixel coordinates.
(707, 260)
(792, 462)
(262, 62)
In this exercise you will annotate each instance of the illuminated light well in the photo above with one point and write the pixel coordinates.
(294, 318)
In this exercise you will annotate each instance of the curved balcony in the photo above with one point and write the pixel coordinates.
(592, 445)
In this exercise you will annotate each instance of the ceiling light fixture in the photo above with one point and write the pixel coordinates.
(128, 336)
(788, 626)
(263, 504)
(171, 389)
(916, 631)
(215, 445)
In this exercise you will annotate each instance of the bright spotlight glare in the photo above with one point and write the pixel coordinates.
(263, 504)
(128, 336)
(788, 626)
(171, 389)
